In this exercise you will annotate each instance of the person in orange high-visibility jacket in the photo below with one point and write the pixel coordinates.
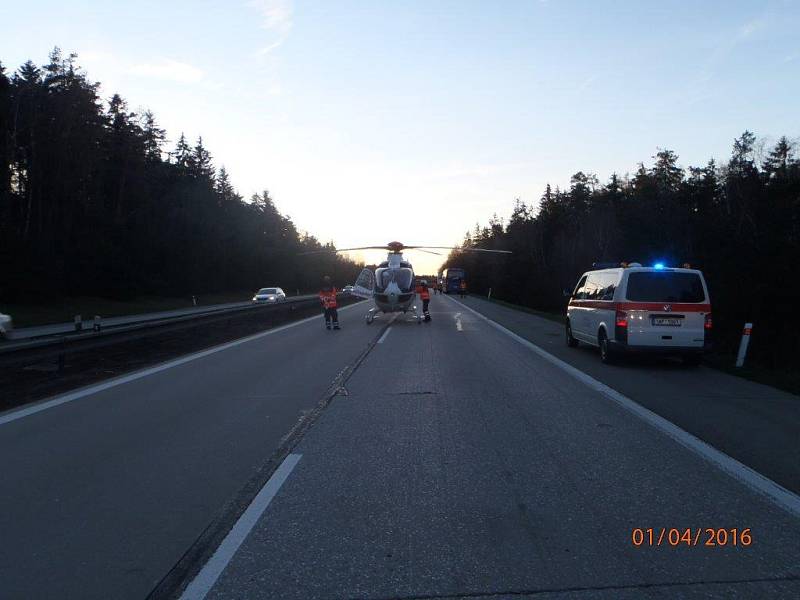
(425, 295)
(327, 295)
(462, 288)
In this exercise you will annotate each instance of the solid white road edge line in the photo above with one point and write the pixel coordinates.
(19, 413)
(764, 486)
(208, 575)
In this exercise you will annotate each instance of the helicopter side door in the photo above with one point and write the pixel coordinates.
(365, 284)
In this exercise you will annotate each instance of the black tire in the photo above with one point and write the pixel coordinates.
(606, 354)
(571, 341)
(692, 360)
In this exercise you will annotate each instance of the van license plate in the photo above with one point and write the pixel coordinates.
(667, 322)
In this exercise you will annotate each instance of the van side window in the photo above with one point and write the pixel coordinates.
(609, 285)
(579, 294)
(594, 286)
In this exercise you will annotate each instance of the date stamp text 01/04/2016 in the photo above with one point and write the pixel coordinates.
(691, 536)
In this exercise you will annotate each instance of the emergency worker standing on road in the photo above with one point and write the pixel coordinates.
(462, 288)
(327, 296)
(425, 296)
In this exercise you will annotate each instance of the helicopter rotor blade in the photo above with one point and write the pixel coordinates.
(459, 249)
(328, 251)
(401, 248)
(484, 250)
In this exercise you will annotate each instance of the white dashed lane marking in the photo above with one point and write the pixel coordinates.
(385, 333)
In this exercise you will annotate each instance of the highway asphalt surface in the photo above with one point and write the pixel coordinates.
(460, 464)
(456, 462)
(756, 424)
(100, 496)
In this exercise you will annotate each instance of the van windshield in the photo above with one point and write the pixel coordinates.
(665, 287)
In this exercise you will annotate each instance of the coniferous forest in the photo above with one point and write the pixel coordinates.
(739, 222)
(94, 201)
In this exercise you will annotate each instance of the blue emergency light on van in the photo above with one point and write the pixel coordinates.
(658, 265)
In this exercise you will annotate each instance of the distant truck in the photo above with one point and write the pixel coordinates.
(452, 278)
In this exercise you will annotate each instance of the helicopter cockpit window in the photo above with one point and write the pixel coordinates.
(381, 279)
(402, 277)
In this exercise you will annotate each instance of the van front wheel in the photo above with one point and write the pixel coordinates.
(571, 341)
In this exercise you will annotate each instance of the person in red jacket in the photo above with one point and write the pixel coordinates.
(425, 295)
(327, 295)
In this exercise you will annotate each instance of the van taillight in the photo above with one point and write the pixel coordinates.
(621, 327)
(708, 323)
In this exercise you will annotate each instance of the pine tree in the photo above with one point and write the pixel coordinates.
(666, 172)
(153, 137)
(5, 148)
(742, 157)
(200, 165)
(519, 215)
(580, 191)
(223, 187)
(779, 159)
(547, 203)
(182, 154)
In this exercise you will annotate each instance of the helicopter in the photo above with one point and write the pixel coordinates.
(391, 285)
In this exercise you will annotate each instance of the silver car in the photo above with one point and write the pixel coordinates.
(6, 325)
(269, 295)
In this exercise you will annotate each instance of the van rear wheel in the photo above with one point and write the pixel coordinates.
(571, 341)
(606, 354)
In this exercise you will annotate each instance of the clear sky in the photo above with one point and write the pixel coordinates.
(375, 121)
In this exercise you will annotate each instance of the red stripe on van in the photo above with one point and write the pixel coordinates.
(659, 306)
(649, 306)
(607, 304)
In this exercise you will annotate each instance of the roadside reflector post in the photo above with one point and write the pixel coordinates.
(194, 301)
(490, 294)
(97, 322)
(748, 327)
(78, 323)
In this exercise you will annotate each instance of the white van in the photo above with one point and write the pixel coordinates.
(6, 325)
(641, 309)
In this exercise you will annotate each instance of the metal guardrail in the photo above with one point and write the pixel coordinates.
(64, 338)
